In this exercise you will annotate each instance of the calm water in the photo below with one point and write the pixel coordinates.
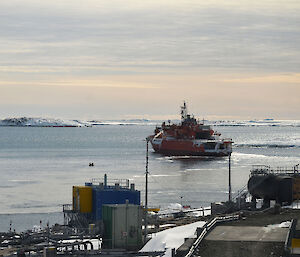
(39, 166)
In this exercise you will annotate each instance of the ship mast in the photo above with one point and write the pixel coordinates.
(183, 112)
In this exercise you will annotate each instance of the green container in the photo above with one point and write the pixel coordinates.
(122, 226)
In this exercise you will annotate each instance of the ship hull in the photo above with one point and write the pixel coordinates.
(189, 153)
(189, 148)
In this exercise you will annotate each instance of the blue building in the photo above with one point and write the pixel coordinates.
(116, 193)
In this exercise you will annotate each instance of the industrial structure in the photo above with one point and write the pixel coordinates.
(110, 208)
(279, 184)
(123, 226)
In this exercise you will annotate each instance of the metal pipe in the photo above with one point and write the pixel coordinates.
(105, 180)
(229, 177)
(146, 191)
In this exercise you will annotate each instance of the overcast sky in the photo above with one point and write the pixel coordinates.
(141, 59)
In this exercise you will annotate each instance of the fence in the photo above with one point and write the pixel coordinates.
(207, 228)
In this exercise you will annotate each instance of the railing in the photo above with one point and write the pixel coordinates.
(207, 228)
(111, 182)
(288, 240)
(265, 170)
(240, 192)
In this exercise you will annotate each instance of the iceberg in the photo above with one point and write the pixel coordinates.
(41, 122)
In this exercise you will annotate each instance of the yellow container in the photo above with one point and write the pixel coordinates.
(296, 188)
(82, 199)
(295, 243)
(154, 209)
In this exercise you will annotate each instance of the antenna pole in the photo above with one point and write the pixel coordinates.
(229, 177)
(146, 191)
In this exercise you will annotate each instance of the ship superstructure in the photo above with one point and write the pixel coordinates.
(190, 137)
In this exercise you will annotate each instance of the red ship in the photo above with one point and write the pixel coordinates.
(190, 138)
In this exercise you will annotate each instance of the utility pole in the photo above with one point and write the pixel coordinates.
(229, 177)
(146, 191)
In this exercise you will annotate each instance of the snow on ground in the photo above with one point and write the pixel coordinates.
(295, 205)
(199, 213)
(175, 208)
(285, 224)
(95, 242)
(171, 238)
(167, 225)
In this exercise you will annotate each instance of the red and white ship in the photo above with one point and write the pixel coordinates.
(190, 137)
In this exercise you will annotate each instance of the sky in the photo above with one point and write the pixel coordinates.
(123, 59)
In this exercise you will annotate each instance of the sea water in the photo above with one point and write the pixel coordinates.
(39, 166)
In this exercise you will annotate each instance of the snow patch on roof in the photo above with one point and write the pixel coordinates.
(171, 238)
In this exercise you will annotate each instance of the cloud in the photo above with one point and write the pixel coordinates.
(185, 35)
(293, 78)
(147, 54)
(100, 83)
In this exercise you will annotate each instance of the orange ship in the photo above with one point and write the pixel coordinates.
(190, 137)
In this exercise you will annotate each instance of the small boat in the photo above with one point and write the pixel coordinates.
(189, 138)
